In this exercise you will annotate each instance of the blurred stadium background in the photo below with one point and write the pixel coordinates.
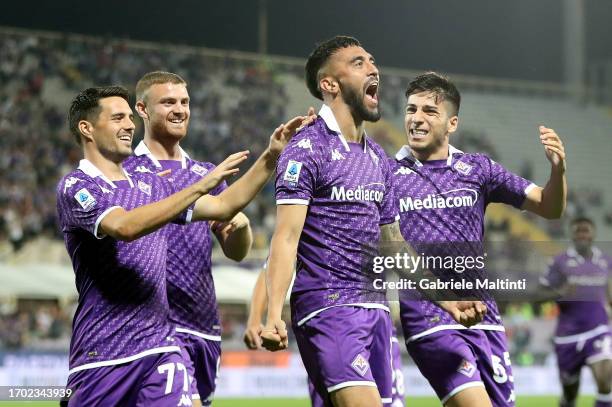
(517, 65)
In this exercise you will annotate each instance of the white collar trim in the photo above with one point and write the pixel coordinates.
(572, 252)
(405, 152)
(330, 120)
(142, 149)
(88, 168)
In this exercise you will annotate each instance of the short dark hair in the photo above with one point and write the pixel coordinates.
(439, 85)
(582, 219)
(319, 57)
(86, 105)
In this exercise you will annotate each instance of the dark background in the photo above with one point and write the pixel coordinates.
(520, 39)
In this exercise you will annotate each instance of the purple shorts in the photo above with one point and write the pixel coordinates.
(398, 380)
(575, 351)
(202, 358)
(454, 360)
(347, 346)
(160, 379)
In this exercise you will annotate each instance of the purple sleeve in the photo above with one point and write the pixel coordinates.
(554, 277)
(504, 186)
(388, 213)
(82, 204)
(297, 171)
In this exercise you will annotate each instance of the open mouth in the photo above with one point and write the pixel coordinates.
(371, 93)
(418, 134)
(177, 121)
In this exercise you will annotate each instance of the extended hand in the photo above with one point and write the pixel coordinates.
(224, 170)
(553, 147)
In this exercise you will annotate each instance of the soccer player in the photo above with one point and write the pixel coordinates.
(583, 336)
(252, 340)
(162, 101)
(122, 351)
(334, 203)
(464, 367)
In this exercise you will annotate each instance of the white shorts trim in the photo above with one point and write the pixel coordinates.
(583, 336)
(195, 397)
(386, 400)
(461, 388)
(368, 305)
(598, 358)
(482, 327)
(148, 352)
(294, 201)
(216, 338)
(99, 220)
(351, 384)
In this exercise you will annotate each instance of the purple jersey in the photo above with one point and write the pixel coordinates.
(347, 187)
(442, 206)
(589, 277)
(191, 289)
(122, 311)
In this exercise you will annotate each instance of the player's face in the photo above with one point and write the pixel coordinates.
(113, 130)
(428, 123)
(168, 109)
(358, 79)
(583, 234)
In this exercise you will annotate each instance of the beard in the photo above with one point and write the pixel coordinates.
(358, 108)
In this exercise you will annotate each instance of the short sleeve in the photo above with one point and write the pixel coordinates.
(554, 277)
(388, 212)
(82, 204)
(297, 171)
(504, 186)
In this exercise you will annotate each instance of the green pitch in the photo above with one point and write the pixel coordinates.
(410, 402)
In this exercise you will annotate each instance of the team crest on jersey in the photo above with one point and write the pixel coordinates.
(305, 144)
(466, 368)
(198, 169)
(336, 155)
(143, 169)
(144, 187)
(292, 173)
(70, 182)
(85, 199)
(403, 171)
(360, 364)
(463, 168)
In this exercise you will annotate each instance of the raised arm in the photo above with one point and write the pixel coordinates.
(549, 202)
(129, 225)
(229, 202)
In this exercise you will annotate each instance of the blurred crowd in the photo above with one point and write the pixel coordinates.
(36, 325)
(234, 104)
